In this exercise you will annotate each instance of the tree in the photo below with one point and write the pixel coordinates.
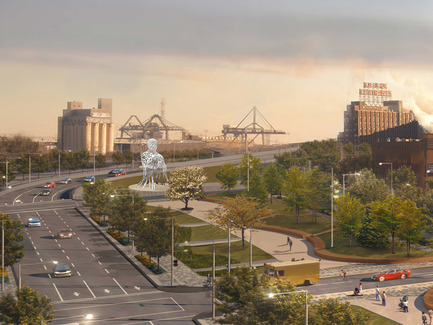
(25, 308)
(18, 144)
(331, 311)
(228, 176)
(273, 180)
(251, 162)
(14, 235)
(368, 188)
(370, 236)
(100, 160)
(349, 214)
(41, 164)
(97, 197)
(257, 188)
(127, 210)
(70, 161)
(127, 157)
(318, 191)
(186, 184)
(412, 224)
(153, 234)
(241, 212)
(83, 158)
(295, 190)
(117, 158)
(245, 297)
(387, 216)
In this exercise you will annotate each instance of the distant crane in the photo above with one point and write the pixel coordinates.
(252, 128)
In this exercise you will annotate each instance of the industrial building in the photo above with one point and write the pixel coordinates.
(375, 117)
(89, 128)
(417, 154)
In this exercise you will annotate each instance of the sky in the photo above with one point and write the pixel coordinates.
(300, 63)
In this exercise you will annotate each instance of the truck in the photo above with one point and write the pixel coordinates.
(301, 272)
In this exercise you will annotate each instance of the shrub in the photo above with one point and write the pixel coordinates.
(99, 221)
(119, 236)
(147, 261)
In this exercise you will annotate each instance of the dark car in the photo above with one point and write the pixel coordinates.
(117, 172)
(391, 274)
(62, 270)
(45, 192)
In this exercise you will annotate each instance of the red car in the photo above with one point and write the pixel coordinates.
(64, 233)
(391, 274)
(49, 184)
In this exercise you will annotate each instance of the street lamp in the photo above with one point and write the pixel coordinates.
(271, 295)
(6, 174)
(172, 246)
(19, 270)
(388, 163)
(344, 183)
(228, 241)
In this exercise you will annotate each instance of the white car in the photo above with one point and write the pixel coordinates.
(89, 179)
(34, 222)
(65, 181)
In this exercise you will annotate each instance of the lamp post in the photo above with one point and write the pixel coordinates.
(228, 241)
(3, 257)
(251, 247)
(344, 183)
(388, 163)
(271, 295)
(172, 246)
(332, 207)
(6, 174)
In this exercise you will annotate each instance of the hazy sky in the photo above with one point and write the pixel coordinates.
(299, 62)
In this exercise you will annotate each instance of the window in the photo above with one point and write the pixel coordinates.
(280, 273)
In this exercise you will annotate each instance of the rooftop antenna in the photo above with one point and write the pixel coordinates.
(162, 108)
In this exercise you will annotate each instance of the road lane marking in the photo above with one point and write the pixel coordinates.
(177, 303)
(89, 289)
(99, 262)
(63, 251)
(37, 253)
(58, 292)
(82, 243)
(45, 267)
(72, 264)
(67, 257)
(88, 249)
(79, 274)
(42, 261)
(120, 286)
(107, 271)
(93, 255)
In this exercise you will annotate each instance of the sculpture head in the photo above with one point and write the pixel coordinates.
(152, 144)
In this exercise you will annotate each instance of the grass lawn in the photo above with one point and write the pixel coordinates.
(208, 232)
(375, 319)
(201, 257)
(305, 223)
(341, 247)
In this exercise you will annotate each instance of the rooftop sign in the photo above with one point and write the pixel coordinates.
(374, 94)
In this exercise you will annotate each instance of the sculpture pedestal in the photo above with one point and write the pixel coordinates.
(147, 191)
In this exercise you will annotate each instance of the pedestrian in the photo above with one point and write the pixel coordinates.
(424, 318)
(360, 288)
(288, 240)
(430, 316)
(405, 306)
(383, 296)
(290, 245)
(343, 273)
(377, 293)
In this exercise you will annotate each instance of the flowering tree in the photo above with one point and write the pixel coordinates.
(186, 184)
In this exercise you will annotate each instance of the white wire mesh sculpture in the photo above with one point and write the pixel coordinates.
(154, 167)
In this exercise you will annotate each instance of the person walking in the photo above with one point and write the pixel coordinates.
(424, 318)
(343, 273)
(290, 245)
(360, 288)
(383, 296)
(377, 293)
(430, 316)
(288, 240)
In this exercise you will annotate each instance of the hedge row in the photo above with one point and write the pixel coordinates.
(119, 237)
(147, 261)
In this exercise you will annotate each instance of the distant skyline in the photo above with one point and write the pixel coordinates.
(299, 62)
